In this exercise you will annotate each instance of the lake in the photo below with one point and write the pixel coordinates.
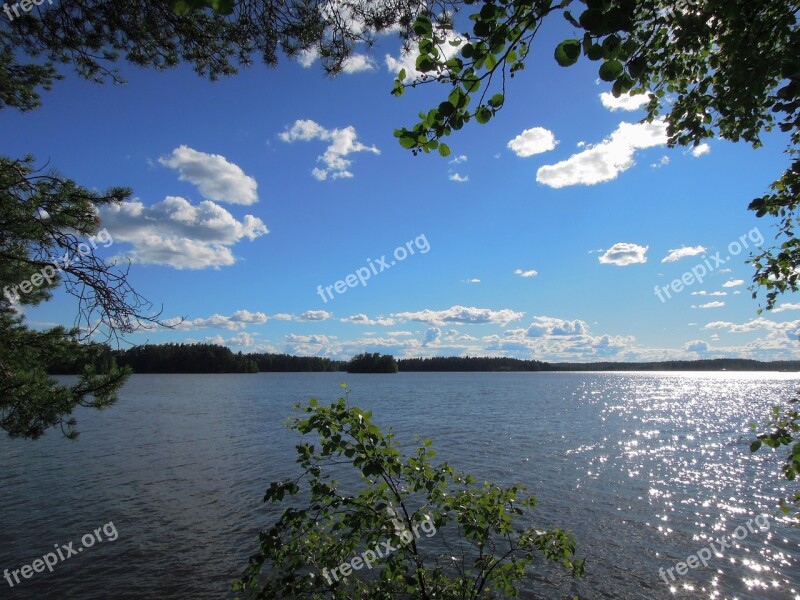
(646, 469)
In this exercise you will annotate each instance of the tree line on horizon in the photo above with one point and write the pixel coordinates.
(211, 358)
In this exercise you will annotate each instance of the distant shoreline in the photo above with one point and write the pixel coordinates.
(209, 358)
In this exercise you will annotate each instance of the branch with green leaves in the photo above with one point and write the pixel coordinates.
(781, 430)
(482, 550)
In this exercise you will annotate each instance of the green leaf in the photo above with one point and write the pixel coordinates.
(610, 70)
(425, 63)
(595, 52)
(444, 150)
(423, 26)
(754, 446)
(408, 142)
(482, 115)
(568, 52)
(446, 109)
(497, 100)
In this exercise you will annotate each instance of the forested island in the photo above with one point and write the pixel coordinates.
(210, 358)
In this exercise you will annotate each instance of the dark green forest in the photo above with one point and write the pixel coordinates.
(372, 363)
(209, 358)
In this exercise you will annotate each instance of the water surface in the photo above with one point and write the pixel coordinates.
(645, 469)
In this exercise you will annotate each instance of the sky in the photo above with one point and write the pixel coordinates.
(274, 211)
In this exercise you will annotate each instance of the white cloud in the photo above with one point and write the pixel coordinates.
(343, 143)
(462, 314)
(785, 307)
(606, 160)
(788, 327)
(733, 283)
(362, 319)
(663, 162)
(459, 159)
(358, 63)
(700, 150)
(308, 57)
(242, 339)
(459, 178)
(549, 338)
(683, 252)
(238, 320)
(315, 315)
(473, 280)
(533, 141)
(215, 177)
(282, 317)
(530, 273)
(176, 233)
(623, 254)
(715, 304)
(548, 326)
(624, 102)
(705, 293)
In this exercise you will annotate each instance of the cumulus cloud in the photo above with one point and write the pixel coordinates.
(606, 160)
(624, 102)
(242, 339)
(462, 314)
(238, 320)
(533, 141)
(308, 345)
(683, 252)
(548, 326)
(343, 143)
(733, 283)
(623, 254)
(529, 273)
(459, 178)
(788, 327)
(785, 307)
(362, 319)
(715, 304)
(459, 159)
(700, 150)
(705, 293)
(473, 280)
(178, 234)
(315, 315)
(358, 63)
(549, 338)
(215, 177)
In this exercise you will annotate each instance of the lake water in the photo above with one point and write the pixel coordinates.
(645, 469)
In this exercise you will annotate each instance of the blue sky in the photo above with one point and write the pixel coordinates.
(542, 236)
